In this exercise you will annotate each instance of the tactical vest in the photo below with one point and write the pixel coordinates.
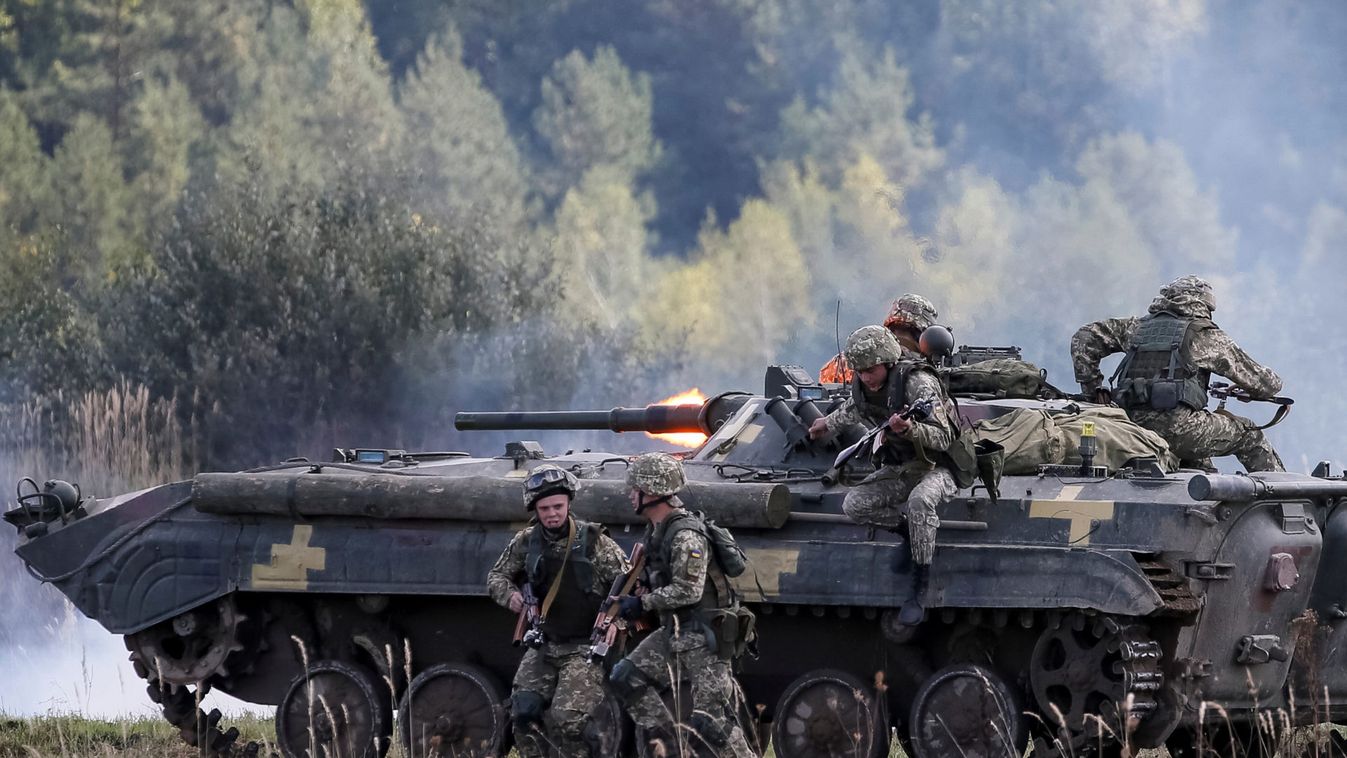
(896, 450)
(1157, 372)
(571, 616)
(716, 594)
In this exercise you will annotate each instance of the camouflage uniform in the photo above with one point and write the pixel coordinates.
(556, 687)
(680, 650)
(905, 488)
(1194, 435)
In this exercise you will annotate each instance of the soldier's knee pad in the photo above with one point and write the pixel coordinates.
(526, 708)
(627, 680)
(707, 729)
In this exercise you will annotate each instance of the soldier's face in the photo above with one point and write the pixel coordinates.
(552, 510)
(873, 377)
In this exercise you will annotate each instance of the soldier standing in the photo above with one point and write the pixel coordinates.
(687, 590)
(1162, 380)
(918, 459)
(908, 317)
(569, 564)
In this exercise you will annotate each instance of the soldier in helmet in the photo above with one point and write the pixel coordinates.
(1162, 380)
(686, 587)
(917, 462)
(908, 317)
(569, 564)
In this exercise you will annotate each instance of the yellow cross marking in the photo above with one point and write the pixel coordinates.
(766, 564)
(290, 563)
(1081, 513)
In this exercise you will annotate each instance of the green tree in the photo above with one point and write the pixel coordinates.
(743, 296)
(103, 50)
(595, 112)
(164, 126)
(91, 199)
(24, 177)
(460, 141)
(316, 104)
(602, 246)
(865, 111)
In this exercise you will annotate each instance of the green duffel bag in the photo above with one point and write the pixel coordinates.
(998, 377)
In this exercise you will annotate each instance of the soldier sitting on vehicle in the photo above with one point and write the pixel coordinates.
(1162, 381)
(569, 564)
(909, 316)
(916, 463)
(695, 640)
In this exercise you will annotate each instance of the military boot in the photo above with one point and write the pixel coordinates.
(914, 610)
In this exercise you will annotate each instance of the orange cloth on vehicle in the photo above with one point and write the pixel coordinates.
(835, 371)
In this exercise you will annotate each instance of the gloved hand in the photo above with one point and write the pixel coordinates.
(629, 607)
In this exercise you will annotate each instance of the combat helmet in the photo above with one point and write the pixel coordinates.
(912, 310)
(548, 479)
(870, 346)
(1190, 291)
(656, 474)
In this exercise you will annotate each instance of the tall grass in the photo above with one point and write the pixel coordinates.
(108, 442)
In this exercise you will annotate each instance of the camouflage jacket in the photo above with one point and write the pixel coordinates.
(689, 557)
(507, 576)
(1211, 350)
(934, 434)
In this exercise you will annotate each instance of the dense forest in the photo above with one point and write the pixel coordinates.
(237, 231)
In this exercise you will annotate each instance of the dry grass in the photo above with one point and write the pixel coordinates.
(108, 442)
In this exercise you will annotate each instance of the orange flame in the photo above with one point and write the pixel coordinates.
(682, 439)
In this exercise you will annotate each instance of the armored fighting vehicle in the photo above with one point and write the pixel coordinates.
(1093, 609)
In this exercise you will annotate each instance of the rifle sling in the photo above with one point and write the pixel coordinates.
(1282, 411)
(556, 580)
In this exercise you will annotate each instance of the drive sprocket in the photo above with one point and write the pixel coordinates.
(181, 658)
(1094, 680)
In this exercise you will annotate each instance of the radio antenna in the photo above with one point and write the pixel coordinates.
(837, 325)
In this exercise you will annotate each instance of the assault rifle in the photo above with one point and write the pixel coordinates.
(527, 629)
(918, 411)
(623, 585)
(1224, 391)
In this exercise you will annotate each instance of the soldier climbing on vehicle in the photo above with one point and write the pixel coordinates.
(1162, 381)
(701, 630)
(920, 462)
(909, 316)
(569, 565)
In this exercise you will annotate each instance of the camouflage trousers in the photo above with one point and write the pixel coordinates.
(568, 688)
(1197, 436)
(666, 660)
(895, 495)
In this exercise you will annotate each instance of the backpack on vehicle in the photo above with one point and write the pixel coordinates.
(997, 378)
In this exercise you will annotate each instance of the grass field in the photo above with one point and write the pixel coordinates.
(77, 736)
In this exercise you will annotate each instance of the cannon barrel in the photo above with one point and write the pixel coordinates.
(705, 418)
(660, 419)
(1247, 489)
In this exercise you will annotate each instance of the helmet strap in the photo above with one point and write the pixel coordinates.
(642, 503)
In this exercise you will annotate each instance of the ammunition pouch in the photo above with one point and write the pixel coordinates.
(962, 460)
(991, 461)
(730, 631)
